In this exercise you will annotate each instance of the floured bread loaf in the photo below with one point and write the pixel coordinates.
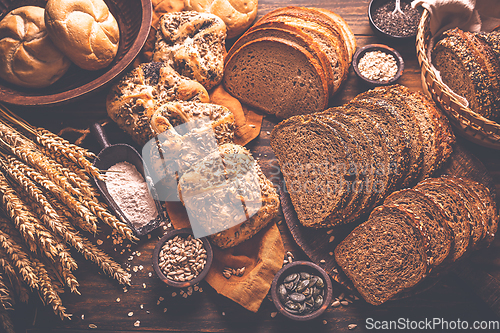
(28, 57)
(193, 44)
(229, 178)
(85, 30)
(133, 100)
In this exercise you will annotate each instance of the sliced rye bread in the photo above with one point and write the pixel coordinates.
(394, 96)
(432, 218)
(392, 168)
(309, 153)
(259, 74)
(328, 38)
(490, 207)
(471, 203)
(292, 34)
(362, 168)
(457, 216)
(387, 116)
(462, 73)
(384, 255)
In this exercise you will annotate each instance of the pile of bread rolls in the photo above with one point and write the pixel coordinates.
(37, 45)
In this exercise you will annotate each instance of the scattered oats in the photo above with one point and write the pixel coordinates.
(108, 236)
(223, 313)
(149, 236)
(290, 254)
(196, 288)
(325, 322)
(201, 290)
(135, 269)
(141, 306)
(147, 311)
(83, 316)
(273, 314)
(137, 323)
(138, 254)
(125, 290)
(332, 238)
(169, 225)
(352, 326)
(118, 300)
(92, 326)
(150, 274)
(130, 314)
(130, 258)
(141, 267)
(322, 261)
(185, 295)
(144, 285)
(122, 251)
(99, 242)
(158, 302)
(164, 310)
(174, 294)
(330, 253)
(161, 299)
(329, 231)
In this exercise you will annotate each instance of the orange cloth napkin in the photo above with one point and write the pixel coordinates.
(262, 256)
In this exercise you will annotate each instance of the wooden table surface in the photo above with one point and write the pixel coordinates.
(452, 299)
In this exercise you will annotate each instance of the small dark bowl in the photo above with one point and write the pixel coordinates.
(301, 266)
(181, 232)
(378, 47)
(134, 21)
(374, 4)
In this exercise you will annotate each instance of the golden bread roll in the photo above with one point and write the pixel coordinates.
(85, 30)
(238, 15)
(28, 57)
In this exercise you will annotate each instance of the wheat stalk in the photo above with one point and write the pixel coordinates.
(47, 292)
(109, 219)
(6, 304)
(73, 205)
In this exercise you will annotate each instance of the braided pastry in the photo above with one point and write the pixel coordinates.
(134, 99)
(193, 44)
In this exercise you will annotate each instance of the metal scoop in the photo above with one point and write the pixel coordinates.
(397, 8)
(109, 156)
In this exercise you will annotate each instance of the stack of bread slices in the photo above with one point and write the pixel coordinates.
(340, 163)
(469, 63)
(416, 233)
(291, 61)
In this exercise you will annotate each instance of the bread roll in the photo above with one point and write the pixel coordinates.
(238, 15)
(84, 30)
(28, 57)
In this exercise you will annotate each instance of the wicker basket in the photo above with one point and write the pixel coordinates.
(467, 123)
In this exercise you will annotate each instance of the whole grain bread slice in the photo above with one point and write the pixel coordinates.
(457, 216)
(432, 219)
(311, 156)
(384, 255)
(276, 76)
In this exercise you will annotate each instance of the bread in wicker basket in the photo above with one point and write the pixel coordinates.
(466, 122)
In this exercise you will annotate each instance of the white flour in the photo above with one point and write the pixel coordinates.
(131, 194)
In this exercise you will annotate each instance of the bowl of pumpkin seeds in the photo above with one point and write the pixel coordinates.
(301, 290)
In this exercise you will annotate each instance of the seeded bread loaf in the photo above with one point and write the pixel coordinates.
(133, 100)
(384, 255)
(193, 44)
(276, 76)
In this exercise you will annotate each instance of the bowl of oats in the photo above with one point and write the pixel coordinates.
(378, 64)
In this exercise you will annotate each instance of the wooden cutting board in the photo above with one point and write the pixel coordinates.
(319, 244)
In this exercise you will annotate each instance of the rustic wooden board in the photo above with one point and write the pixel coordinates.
(319, 244)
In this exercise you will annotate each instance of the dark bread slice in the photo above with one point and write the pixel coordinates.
(361, 166)
(470, 202)
(384, 255)
(290, 33)
(457, 216)
(490, 205)
(492, 39)
(390, 170)
(387, 116)
(326, 35)
(405, 113)
(462, 73)
(309, 153)
(277, 77)
(432, 218)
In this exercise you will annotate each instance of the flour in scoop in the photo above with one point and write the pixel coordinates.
(130, 192)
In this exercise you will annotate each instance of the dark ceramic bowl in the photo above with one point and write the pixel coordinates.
(378, 47)
(373, 6)
(295, 267)
(134, 22)
(184, 233)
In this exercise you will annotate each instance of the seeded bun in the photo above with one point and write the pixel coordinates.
(28, 57)
(85, 30)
